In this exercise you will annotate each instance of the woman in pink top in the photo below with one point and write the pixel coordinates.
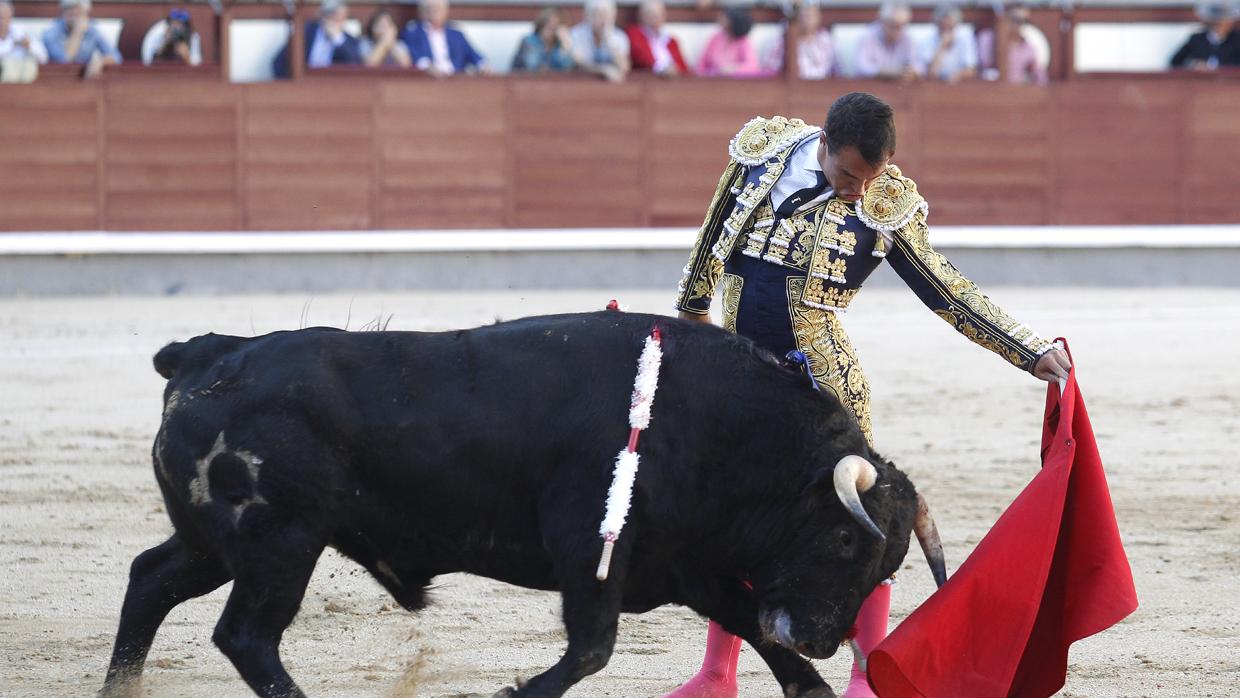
(730, 52)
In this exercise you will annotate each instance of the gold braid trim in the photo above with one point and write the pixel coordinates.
(761, 139)
(833, 362)
(967, 309)
(732, 285)
(889, 203)
(702, 272)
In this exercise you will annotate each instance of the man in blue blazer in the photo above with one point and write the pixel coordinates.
(326, 41)
(437, 48)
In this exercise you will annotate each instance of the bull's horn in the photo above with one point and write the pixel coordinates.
(931, 545)
(853, 475)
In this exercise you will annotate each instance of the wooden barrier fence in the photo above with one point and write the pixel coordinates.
(376, 152)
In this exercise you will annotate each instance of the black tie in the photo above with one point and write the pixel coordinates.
(807, 194)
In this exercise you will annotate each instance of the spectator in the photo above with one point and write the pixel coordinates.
(327, 43)
(651, 47)
(15, 43)
(730, 52)
(74, 38)
(1217, 44)
(950, 54)
(382, 45)
(176, 40)
(598, 46)
(437, 48)
(548, 48)
(1023, 65)
(886, 51)
(815, 55)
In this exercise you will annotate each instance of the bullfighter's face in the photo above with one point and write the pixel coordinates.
(847, 171)
(809, 603)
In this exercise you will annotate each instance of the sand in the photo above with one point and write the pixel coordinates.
(79, 406)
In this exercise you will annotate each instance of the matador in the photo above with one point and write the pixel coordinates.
(801, 217)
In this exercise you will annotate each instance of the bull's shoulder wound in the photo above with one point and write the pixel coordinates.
(762, 139)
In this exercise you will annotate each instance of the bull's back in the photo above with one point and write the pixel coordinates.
(457, 435)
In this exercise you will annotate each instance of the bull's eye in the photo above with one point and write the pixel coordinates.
(846, 538)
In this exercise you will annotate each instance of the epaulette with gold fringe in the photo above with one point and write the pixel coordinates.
(762, 139)
(890, 202)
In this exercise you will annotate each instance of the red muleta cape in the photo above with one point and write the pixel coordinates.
(1051, 571)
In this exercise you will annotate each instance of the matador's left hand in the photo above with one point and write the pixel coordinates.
(1053, 365)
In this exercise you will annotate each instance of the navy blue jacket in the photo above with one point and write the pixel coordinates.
(347, 53)
(462, 54)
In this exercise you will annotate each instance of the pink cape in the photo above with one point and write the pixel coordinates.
(1051, 571)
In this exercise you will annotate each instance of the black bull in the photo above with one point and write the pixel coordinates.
(490, 451)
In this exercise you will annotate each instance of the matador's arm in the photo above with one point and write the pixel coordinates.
(702, 273)
(898, 208)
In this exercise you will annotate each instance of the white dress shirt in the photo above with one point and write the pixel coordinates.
(659, 49)
(10, 48)
(438, 39)
(801, 172)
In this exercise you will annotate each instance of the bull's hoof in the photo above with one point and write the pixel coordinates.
(510, 691)
(121, 689)
(823, 691)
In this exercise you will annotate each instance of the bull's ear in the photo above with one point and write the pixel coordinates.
(821, 480)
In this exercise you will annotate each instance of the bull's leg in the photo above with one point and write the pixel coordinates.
(591, 615)
(159, 579)
(591, 608)
(272, 574)
(737, 612)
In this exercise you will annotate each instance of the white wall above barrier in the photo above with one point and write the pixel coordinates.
(1128, 46)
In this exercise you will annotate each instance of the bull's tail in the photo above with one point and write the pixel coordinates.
(199, 351)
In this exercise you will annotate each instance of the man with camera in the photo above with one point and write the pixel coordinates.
(178, 42)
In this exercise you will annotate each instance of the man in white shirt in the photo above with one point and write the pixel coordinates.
(15, 43)
(950, 54)
(598, 46)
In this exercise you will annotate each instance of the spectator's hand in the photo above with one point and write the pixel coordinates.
(1053, 366)
(387, 34)
(24, 43)
(94, 66)
(910, 74)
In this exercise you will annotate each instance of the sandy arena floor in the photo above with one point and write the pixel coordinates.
(79, 406)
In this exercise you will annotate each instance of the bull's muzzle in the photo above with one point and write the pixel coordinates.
(777, 627)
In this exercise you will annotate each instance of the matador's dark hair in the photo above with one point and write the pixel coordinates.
(860, 119)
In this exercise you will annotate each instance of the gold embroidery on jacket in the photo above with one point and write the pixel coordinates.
(832, 360)
(691, 282)
(959, 291)
(731, 300)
